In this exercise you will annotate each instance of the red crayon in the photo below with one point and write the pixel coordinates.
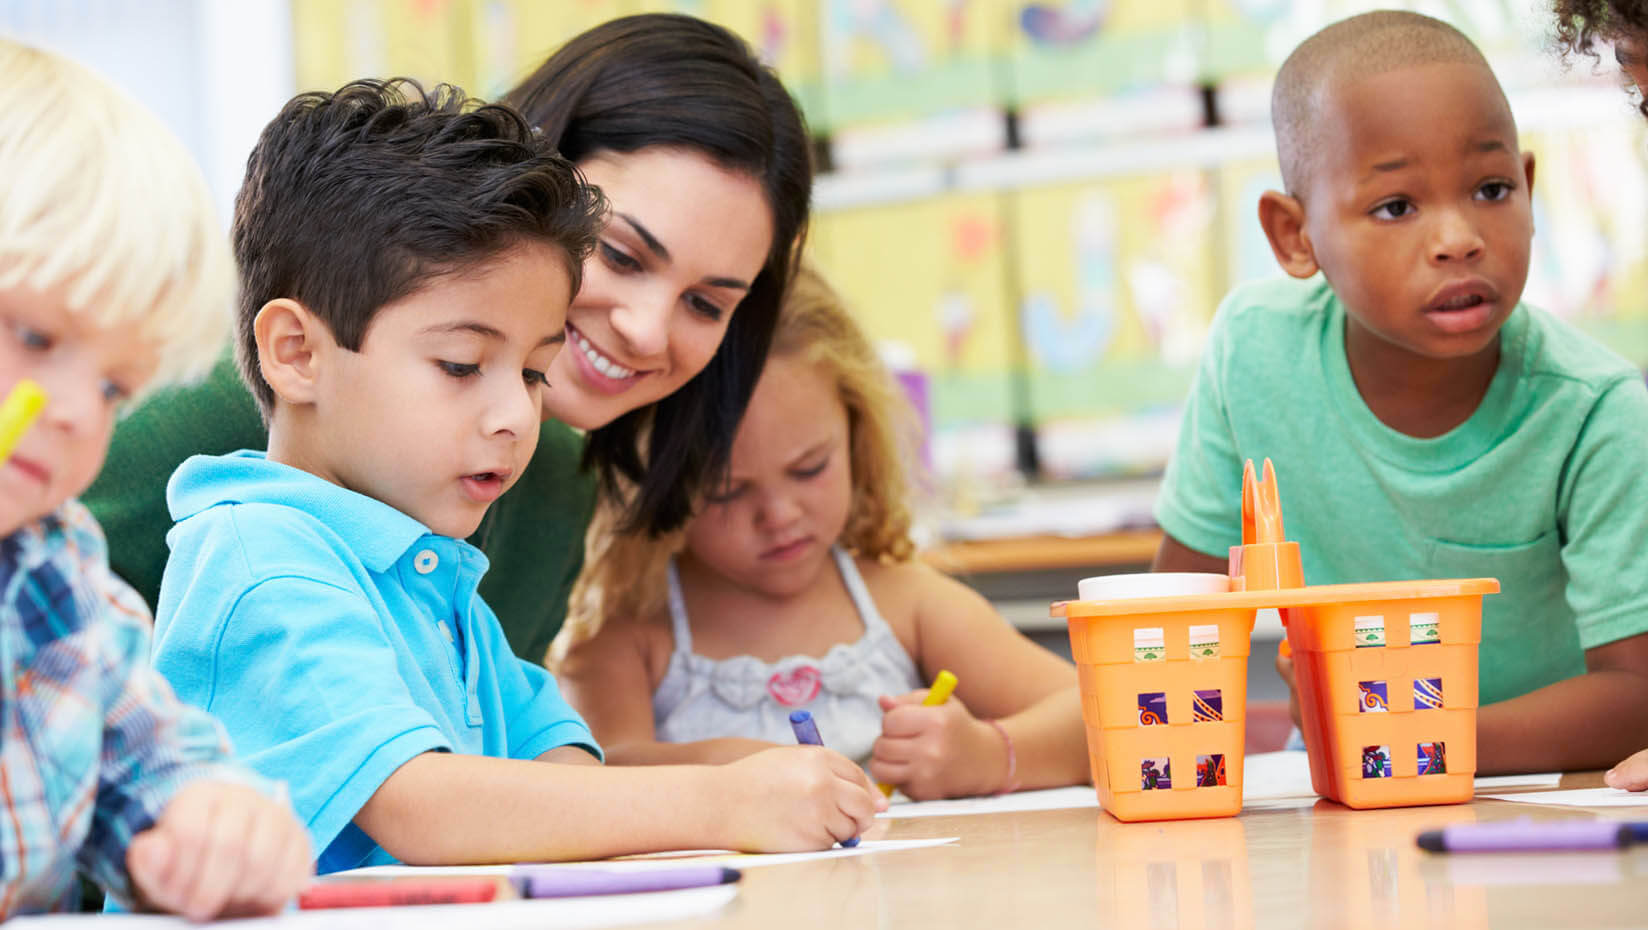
(398, 893)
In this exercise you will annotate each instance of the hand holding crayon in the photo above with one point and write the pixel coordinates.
(943, 684)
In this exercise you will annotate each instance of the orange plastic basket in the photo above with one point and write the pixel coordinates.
(1386, 676)
(1164, 696)
(1387, 679)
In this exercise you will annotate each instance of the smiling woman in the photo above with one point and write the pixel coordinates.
(685, 132)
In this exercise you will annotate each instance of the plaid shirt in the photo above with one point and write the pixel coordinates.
(93, 744)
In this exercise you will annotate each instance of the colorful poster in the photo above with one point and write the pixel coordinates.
(1071, 49)
(783, 33)
(337, 42)
(928, 279)
(1118, 284)
(887, 60)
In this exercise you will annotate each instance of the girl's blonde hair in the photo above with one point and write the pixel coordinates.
(102, 199)
(624, 573)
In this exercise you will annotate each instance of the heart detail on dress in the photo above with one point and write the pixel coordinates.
(795, 687)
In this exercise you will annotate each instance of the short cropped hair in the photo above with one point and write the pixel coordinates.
(1352, 49)
(102, 199)
(359, 198)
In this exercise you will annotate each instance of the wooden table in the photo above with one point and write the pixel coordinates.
(1121, 549)
(1323, 866)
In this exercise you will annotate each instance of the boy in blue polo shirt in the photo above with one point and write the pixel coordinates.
(1424, 422)
(408, 260)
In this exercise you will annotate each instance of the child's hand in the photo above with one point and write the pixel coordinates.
(220, 849)
(1284, 668)
(1632, 774)
(936, 752)
(797, 798)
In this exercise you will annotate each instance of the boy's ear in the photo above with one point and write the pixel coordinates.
(290, 341)
(1528, 172)
(1283, 219)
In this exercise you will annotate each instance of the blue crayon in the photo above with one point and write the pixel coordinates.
(806, 733)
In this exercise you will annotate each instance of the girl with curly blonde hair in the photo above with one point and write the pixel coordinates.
(794, 586)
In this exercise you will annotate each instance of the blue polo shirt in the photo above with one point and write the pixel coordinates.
(337, 638)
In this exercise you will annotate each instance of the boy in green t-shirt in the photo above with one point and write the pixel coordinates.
(1424, 423)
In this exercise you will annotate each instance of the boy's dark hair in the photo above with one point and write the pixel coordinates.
(663, 79)
(1580, 24)
(358, 198)
(1358, 47)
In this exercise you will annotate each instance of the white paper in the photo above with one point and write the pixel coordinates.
(1273, 775)
(1049, 799)
(651, 860)
(1578, 797)
(1539, 780)
(548, 913)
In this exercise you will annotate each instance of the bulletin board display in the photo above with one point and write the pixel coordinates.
(1590, 249)
(1117, 281)
(928, 279)
(1061, 50)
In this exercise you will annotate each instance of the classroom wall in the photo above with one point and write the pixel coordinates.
(1034, 206)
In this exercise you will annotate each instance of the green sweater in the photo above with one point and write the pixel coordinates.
(533, 535)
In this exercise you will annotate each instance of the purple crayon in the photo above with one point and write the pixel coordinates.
(561, 882)
(1524, 834)
(806, 733)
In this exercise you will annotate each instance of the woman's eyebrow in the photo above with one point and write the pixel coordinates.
(657, 248)
(651, 241)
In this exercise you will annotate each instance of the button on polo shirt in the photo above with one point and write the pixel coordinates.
(337, 638)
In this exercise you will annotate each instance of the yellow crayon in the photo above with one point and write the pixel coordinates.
(943, 684)
(22, 405)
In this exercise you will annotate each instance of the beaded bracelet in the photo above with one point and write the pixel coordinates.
(1009, 784)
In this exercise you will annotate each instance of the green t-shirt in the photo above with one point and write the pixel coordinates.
(533, 535)
(1544, 487)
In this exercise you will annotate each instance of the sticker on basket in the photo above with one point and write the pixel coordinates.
(1155, 773)
(1152, 708)
(1207, 705)
(1375, 697)
(1370, 631)
(1433, 758)
(1427, 694)
(1424, 629)
(1204, 641)
(1376, 762)
(1210, 770)
(1149, 645)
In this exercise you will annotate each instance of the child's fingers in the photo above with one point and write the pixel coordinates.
(1284, 668)
(223, 856)
(268, 878)
(908, 720)
(149, 863)
(1631, 774)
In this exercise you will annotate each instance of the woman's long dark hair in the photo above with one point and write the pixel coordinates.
(671, 80)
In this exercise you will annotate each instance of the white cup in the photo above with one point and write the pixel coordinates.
(1151, 584)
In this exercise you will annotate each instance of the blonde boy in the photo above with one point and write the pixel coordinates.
(113, 278)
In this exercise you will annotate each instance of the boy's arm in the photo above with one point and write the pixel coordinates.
(607, 678)
(507, 810)
(952, 750)
(1175, 556)
(1590, 721)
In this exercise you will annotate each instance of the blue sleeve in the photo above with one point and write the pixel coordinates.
(539, 719)
(305, 677)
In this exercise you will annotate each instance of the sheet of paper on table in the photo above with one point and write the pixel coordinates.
(610, 910)
(1578, 797)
